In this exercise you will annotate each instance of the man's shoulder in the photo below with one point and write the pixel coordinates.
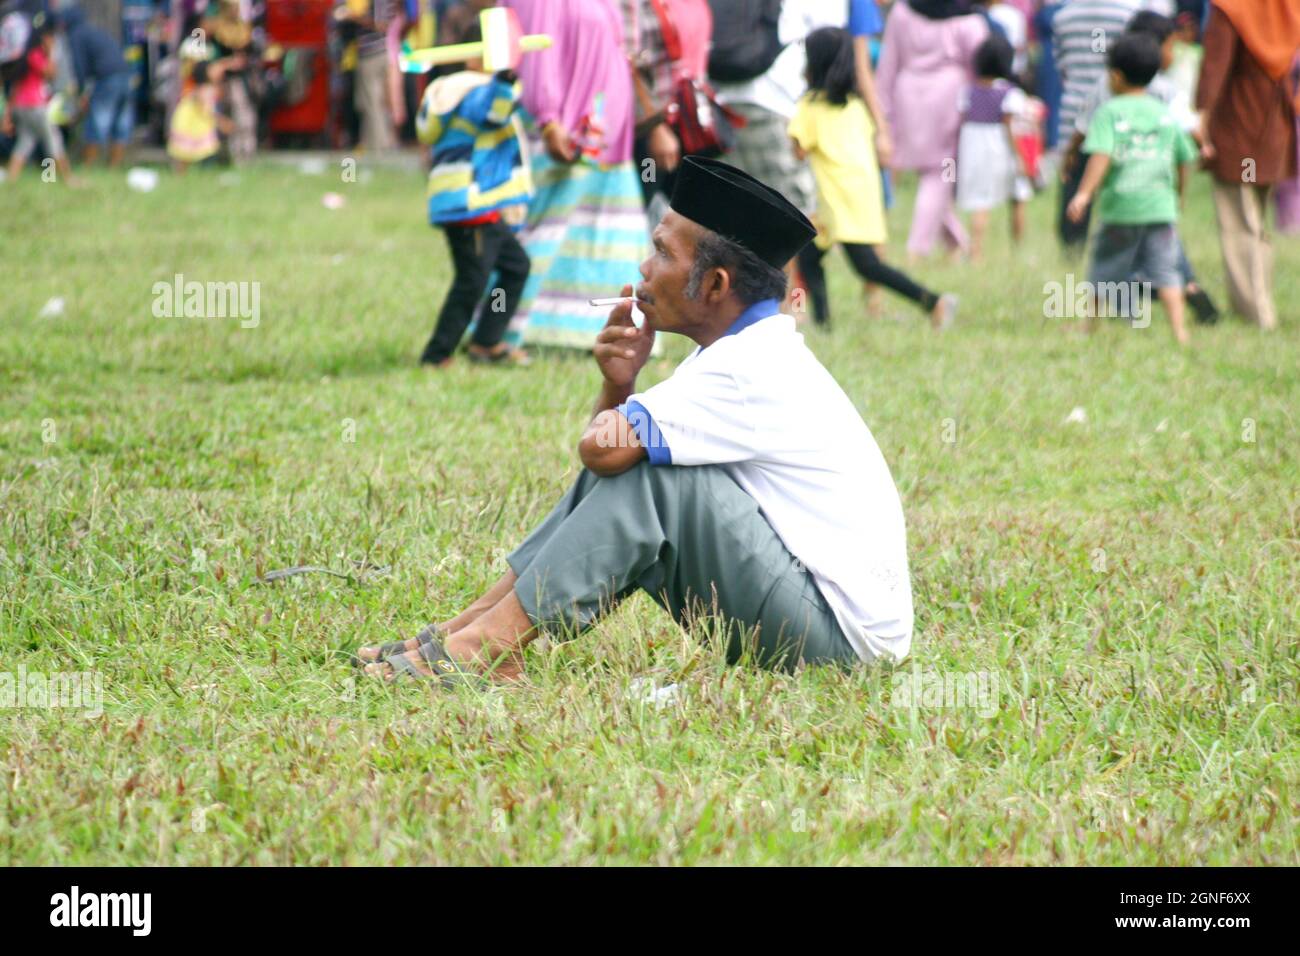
(768, 336)
(772, 340)
(772, 358)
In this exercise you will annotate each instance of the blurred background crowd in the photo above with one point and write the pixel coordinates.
(634, 85)
(325, 73)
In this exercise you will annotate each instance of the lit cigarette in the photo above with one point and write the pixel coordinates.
(638, 317)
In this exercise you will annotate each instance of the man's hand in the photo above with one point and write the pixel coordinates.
(1078, 206)
(664, 148)
(621, 348)
(610, 445)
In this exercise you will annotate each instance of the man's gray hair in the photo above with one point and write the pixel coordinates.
(752, 279)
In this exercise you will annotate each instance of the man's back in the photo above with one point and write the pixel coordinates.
(95, 54)
(760, 404)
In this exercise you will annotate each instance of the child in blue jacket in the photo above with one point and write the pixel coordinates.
(478, 171)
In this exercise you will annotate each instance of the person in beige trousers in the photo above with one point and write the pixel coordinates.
(372, 101)
(377, 89)
(1248, 137)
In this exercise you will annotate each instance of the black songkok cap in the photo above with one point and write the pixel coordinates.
(738, 207)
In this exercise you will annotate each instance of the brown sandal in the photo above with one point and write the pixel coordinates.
(506, 355)
(426, 636)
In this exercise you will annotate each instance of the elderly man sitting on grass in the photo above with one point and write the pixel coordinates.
(745, 485)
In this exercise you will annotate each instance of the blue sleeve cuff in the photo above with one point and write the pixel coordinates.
(647, 432)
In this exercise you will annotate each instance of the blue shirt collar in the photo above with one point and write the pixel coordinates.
(759, 310)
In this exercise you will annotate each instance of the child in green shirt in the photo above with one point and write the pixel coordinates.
(1138, 160)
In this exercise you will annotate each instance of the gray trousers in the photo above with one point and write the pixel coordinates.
(697, 543)
(33, 126)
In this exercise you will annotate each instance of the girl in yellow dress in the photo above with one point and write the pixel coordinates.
(193, 137)
(833, 129)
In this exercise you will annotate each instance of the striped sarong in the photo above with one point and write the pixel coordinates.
(586, 236)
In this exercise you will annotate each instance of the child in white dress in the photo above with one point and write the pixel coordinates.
(990, 170)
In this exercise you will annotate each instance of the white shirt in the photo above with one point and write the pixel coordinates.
(758, 403)
(780, 87)
(1013, 23)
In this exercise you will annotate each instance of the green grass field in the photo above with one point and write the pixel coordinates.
(1123, 588)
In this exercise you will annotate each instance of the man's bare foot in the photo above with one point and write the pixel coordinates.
(494, 643)
(503, 586)
(503, 664)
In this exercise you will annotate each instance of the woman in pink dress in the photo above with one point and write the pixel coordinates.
(586, 232)
(925, 61)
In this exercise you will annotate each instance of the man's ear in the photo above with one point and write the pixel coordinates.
(719, 286)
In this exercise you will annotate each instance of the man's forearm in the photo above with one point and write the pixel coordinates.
(610, 445)
(612, 396)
